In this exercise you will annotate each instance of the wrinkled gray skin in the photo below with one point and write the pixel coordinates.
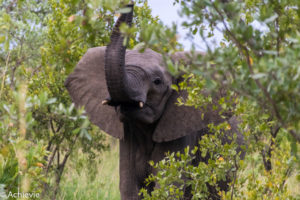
(125, 78)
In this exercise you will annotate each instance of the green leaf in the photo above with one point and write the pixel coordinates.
(51, 101)
(124, 10)
(258, 75)
(271, 19)
(195, 31)
(174, 87)
(2, 39)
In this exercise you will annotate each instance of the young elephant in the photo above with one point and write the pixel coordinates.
(142, 111)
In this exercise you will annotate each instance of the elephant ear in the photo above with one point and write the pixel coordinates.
(178, 121)
(87, 87)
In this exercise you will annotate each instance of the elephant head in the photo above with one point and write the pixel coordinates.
(137, 82)
(137, 86)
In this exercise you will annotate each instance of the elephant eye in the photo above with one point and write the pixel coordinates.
(157, 81)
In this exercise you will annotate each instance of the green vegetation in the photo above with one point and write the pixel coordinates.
(258, 66)
(40, 130)
(48, 147)
(98, 181)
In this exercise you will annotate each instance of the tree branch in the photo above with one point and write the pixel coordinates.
(295, 135)
(51, 160)
(246, 54)
(61, 166)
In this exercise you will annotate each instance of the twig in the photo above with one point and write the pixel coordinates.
(286, 175)
(278, 37)
(18, 63)
(267, 161)
(56, 136)
(35, 70)
(51, 160)
(234, 180)
(4, 73)
(61, 166)
(58, 156)
(295, 135)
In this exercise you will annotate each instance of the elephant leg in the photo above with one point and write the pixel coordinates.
(142, 180)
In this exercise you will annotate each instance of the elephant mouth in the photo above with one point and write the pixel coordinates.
(133, 107)
(133, 111)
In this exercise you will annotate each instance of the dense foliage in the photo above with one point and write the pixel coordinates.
(41, 42)
(257, 62)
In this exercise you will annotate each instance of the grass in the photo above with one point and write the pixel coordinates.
(100, 181)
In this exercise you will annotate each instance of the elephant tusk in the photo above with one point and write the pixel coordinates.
(104, 102)
(141, 104)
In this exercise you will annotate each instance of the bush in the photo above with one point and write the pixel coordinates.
(258, 67)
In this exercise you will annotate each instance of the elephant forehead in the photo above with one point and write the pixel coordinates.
(147, 59)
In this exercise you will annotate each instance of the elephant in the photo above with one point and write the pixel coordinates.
(128, 94)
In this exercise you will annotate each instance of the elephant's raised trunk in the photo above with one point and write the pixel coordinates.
(115, 61)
